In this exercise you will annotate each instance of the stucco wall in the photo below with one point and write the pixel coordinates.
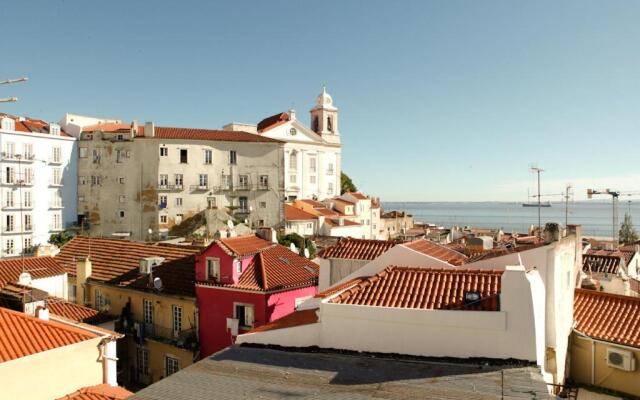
(54, 285)
(52, 374)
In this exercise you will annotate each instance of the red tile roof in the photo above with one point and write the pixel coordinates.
(609, 317)
(273, 121)
(624, 253)
(296, 318)
(601, 264)
(338, 288)
(38, 267)
(292, 213)
(117, 262)
(206, 134)
(22, 335)
(99, 392)
(358, 249)
(336, 222)
(32, 125)
(73, 311)
(357, 195)
(241, 246)
(438, 251)
(421, 288)
(107, 127)
(275, 268)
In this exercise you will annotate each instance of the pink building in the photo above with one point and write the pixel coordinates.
(245, 282)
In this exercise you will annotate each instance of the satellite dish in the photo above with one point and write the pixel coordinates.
(150, 231)
(157, 283)
(230, 224)
(292, 247)
(24, 279)
(306, 252)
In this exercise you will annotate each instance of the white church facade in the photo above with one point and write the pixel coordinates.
(312, 155)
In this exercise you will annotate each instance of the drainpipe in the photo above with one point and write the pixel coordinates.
(593, 362)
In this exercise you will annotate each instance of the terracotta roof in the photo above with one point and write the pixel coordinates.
(357, 195)
(14, 296)
(609, 317)
(338, 288)
(117, 262)
(336, 222)
(108, 127)
(241, 246)
(206, 134)
(347, 202)
(395, 214)
(38, 267)
(296, 318)
(601, 264)
(32, 125)
(275, 268)
(73, 311)
(438, 251)
(99, 392)
(22, 335)
(273, 121)
(625, 253)
(292, 213)
(421, 288)
(358, 249)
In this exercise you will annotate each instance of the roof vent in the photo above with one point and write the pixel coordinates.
(284, 260)
(147, 264)
(471, 297)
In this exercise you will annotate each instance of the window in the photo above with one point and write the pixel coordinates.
(27, 150)
(315, 124)
(122, 198)
(27, 222)
(82, 180)
(213, 268)
(233, 157)
(27, 245)
(226, 181)
(163, 219)
(163, 201)
(56, 176)
(179, 218)
(147, 310)
(179, 179)
(329, 124)
(56, 222)
(96, 180)
(171, 365)
(72, 293)
(10, 149)
(27, 199)
(177, 319)
(164, 151)
(121, 180)
(142, 361)
(237, 266)
(8, 198)
(211, 202)
(164, 180)
(179, 201)
(330, 169)
(28, 175)
(293, 160)
(208, 156)
(292, 178)
(203, 180)
(244, 315)
(312, 164)
(9, 248)
(9, 221)
(243, 203)
(10, 175)
(183, 156)
(243, 181)
(121, 214)
(120, 156)
(264, 181)
(57, 199)
(312, 179)
(99, 300)
(95, 155)
(330, 188)
(263, 204)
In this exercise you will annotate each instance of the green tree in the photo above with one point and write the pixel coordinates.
(627, 234)
(60, 238)
(300, 243)
(346, 184)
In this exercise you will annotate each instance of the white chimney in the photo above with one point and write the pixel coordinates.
(149, 129)
(292, 114)
(134, 128)
(43, 313)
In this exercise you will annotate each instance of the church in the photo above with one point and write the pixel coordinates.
(312, 155)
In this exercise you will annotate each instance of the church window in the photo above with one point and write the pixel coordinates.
(329, 124)
(293, 160)
(315, 124)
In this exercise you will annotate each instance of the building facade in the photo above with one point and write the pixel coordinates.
(143, 182)
(38, 197)
(312, 155)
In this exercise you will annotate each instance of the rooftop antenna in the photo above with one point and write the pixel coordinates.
(534, 168)
(567, 195)
(9, 82)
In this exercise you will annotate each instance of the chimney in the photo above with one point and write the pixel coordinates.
(134, 129)
(551, 232)
(83, 271)
(292, 114)
(149, 129)
(43, 313)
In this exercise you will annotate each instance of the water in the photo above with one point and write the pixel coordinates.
(594, 216)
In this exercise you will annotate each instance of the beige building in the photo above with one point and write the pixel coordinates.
(140, 182)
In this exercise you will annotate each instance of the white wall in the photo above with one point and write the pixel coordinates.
(54, 285)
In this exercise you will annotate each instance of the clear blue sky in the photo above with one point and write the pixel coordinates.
(439, 100)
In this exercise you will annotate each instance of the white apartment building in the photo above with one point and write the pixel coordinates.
(312, 155)
(38, 195)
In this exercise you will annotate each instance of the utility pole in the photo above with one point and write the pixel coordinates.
(566, 204)
(537, 171)
(8, 82)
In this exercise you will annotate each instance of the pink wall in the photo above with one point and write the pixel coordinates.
(216, 305)
(228, 273)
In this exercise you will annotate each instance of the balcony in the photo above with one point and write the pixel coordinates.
(54, 183)
(243, 187)
(56, 205)
(26, 158)
(263, 186)
(199, 188)
(18, 182)
(54, 228)
(55, 161)
(17, 206)
(168, 188)
(185, 339)
(330, 172)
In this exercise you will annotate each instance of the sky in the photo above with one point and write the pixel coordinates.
(439, 100)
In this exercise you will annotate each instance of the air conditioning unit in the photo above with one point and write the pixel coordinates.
(621, 359)
(147, 264)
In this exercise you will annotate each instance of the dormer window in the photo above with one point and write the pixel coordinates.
(54, 129)
(7, 124)
(213, 269)
(237, 265)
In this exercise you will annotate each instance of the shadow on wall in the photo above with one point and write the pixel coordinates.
(70, 190)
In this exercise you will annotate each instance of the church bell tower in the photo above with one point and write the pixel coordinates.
(324, 118)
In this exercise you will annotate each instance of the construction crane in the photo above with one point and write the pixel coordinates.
(8, 82)
(615, 195)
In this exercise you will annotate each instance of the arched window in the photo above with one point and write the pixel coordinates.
(315, 124)
(293, 160)
(329, 124)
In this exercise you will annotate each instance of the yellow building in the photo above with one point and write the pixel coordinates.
(150, 288)
(605, 347)
(47, 357)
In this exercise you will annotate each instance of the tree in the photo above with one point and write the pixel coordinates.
(300, 243)
(59, 239)
(627, 234)
(346, 184)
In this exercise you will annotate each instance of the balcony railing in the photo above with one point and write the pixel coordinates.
(55, 183)
(55, 160)
(54, 228)
(238, 188)
(185, 339)
(56, 205)
(17, 206)
(199, 188)
(17, 182)
(18, 157)
(17, 229)
(168, 188)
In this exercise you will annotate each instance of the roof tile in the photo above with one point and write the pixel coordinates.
(38, 267)
(358, 249)
(99, 392)
(292, 213)
(438, 251)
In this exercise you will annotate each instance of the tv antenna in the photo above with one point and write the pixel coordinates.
(534, 168)
(615, 194)
(9, 82)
